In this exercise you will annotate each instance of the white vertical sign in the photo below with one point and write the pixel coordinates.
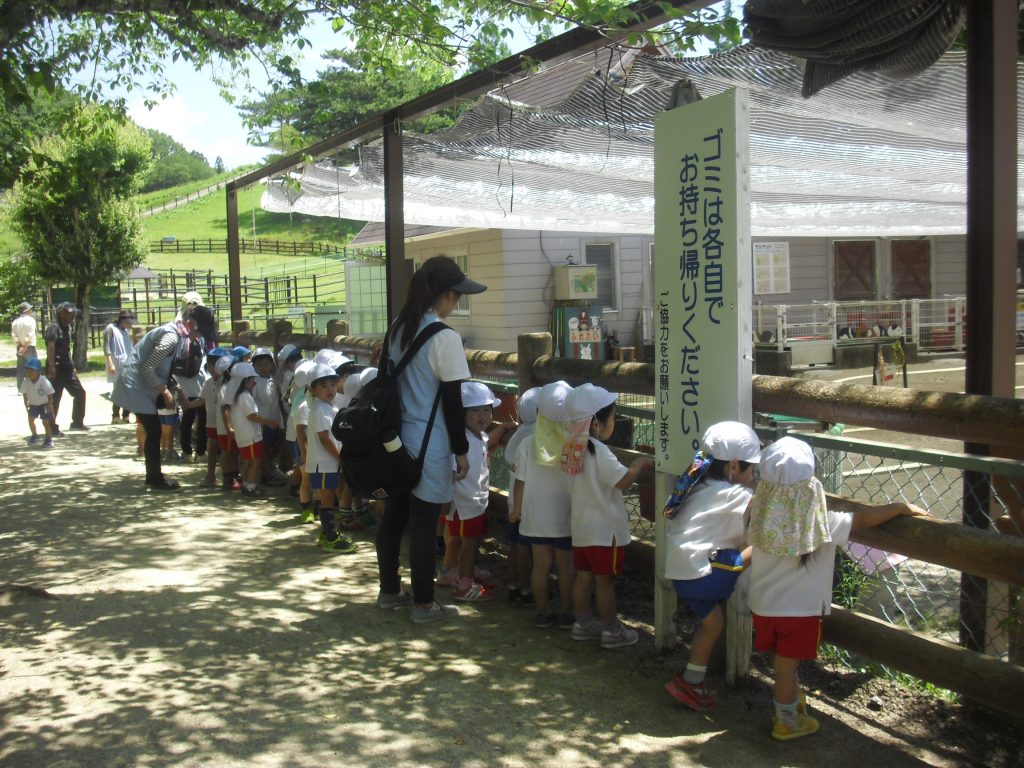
(702, 273)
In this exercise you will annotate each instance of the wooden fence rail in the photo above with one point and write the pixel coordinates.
(276, 247)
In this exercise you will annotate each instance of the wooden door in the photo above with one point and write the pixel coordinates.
(911, 269)
(853, 270)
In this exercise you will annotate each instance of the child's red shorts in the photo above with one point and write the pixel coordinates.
(250, 452)
(211, 434)
(227, 443)
(795, 637)
(601, 561)
(474, 528)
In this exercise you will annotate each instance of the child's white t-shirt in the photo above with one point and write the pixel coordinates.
(547, 505)
(318, 458)
(289, 425)
(38, 391)
(221, 403)
(782, 586)
(710, 518)
(265, 395)
(471, 494)
(247, 432)
(516, 472)
(599, 516)
(211, 401)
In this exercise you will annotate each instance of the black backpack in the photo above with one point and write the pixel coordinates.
(374, 462)
(188, 357)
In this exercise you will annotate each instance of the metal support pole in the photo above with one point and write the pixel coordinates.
(991, 249)
(234, 264)
(394, 216)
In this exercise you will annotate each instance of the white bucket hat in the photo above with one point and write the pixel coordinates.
(475, 394)
(728, 440)
(527, 405)
(586, 400)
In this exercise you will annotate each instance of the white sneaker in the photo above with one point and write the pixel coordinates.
(449, 578)
(433, 612)
(591, 631)
(619, 637)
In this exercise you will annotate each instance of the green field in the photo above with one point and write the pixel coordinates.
(207, 219)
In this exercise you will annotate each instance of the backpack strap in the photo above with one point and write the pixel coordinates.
(417, 344)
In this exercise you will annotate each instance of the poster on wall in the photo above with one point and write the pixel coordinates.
(702, 273)
(771, 267)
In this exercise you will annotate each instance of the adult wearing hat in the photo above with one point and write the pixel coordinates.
(439, 367)
(143, 379)
(60, 368)
(117, 345)
(23, 331)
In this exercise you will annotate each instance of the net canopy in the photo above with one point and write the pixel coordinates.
(571, 148)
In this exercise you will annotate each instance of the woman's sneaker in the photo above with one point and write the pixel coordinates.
(386, 600)
(545, 619)
(433, 612)
(619, 637)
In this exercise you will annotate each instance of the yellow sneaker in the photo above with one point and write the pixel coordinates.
(805, 726)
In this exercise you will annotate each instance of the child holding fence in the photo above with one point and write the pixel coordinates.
(704, 534)
(543, 507)
(225, 438)
(600, 524)
(794, 538)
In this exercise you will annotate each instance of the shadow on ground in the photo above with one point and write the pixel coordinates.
(193, 629)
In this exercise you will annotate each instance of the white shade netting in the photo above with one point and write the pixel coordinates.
(572, 148)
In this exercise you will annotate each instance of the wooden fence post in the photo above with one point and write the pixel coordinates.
(530, 347)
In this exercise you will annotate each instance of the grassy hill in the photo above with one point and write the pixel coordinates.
(207, 219)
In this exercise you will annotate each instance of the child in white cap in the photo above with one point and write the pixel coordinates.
(247, 424)
(323, 455)
(295, 437)
(600, 524)
(467, 513)
(543, 506)
(519, 560)
(268, 405)
(704, 533)
(225, 436)
(794, 538)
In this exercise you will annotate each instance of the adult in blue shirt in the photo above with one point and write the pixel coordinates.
(434, 292)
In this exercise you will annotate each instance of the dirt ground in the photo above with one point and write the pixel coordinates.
(194, 629)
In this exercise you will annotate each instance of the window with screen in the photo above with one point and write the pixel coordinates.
(602, 256)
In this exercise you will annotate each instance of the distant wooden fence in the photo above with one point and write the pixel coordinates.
(271, 247)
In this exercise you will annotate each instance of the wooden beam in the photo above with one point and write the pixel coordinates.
(394, 216)
(234, 260)
(990, 681)
(982, 553)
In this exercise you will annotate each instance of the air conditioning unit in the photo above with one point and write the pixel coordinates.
(575, 282)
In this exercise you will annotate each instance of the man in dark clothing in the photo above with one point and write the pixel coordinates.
(59, 367)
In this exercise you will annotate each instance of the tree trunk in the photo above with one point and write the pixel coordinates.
(80, 351)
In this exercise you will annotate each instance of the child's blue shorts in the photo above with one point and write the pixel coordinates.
(703, 594)
(38, 412)
(170, 421)
(293, 448)
(323, 481)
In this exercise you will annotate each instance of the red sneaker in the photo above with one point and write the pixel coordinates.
(694, 696)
